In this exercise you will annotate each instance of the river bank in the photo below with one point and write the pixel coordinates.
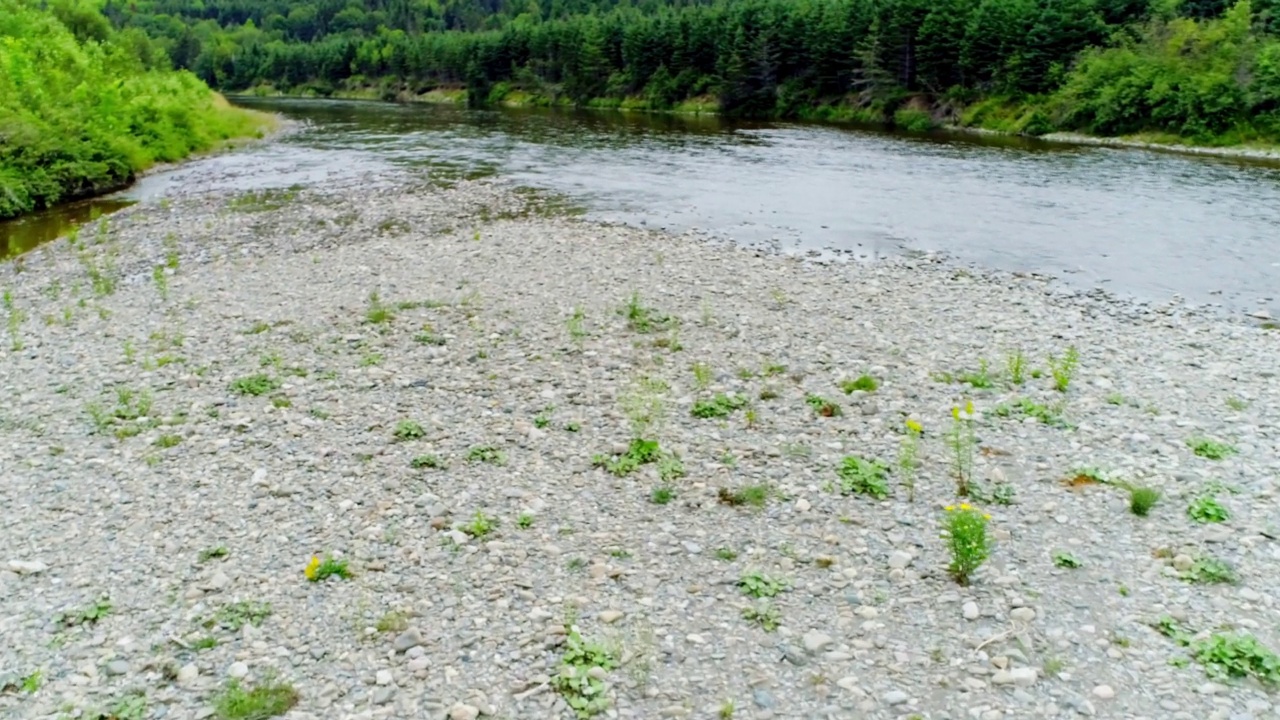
(417, 379)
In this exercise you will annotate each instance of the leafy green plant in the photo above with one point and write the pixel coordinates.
(726, 554)
(377, 312)
(908, 457)
(408, 430)
(1210, 570)
(543, 419)
(823, 406)
(88, 615)
(164, 442)
(862, 383)
(763, 613)
(426, 337)
(759, 585)
(639, 452)
(643, 319)
(235, 616)
(432, 462)
(1015, 363)
(965, 530)
(719, 406)
(867, 477)
(963, 443)
(1142, 499)
(577, 325)
(214, 553)
(524, 521)
(702, 375)
(487, 454)
(1207, 509)
(1046, 414)
(254, 385)
(662, 494)
(1237, 404)
(1065, 559)
(1211, 449)
(1064, 368)
(480, 525)
(318, 570)
(1229, 656)
(752, 495)
(265, 700)
(578, 680)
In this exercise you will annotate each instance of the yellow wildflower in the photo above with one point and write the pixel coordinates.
(914, 426)
(964, 506)
(968, 407)
(312, 567)
(955, 413)
(951, 508)
(986, 517)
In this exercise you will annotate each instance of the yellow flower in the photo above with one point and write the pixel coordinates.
(951, 508)
(968, 407)
(312, 567)
(955, 413)
(964, 506)
(914, 426)
(986, 517)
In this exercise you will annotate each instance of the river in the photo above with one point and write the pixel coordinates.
(1140, 224)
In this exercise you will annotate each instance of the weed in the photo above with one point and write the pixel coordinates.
(372, 359)
(578, 325)
(432, 462)
(965, 530)
(575, 564)
(89, 615)
(862, 383)
(639, 452)
(1237, 655)
(768, 393)
(264, 200)
(161, 280)
(1015, 363)
(763, 613)
(265, 700)
(774, 369)
(979, 379)
(318, 413)
(254, 385)
(31, 683)
(669, 467)
(1066, 560)
(643, 319)
(759, 585)
(213, 553)
(487, 454)
(1207, 509)
(1047, 415)
(318, 570)
(1237, 404)
(281, 402)
(1062, 369)
(726, 554)
(258, 328)
(753, 495)
(524, 521)
(543, 419)
(1210, 570)
(1211, 449)
(393, 621)
(426, 337)
(1053, 666)
(480, 525)
(408, 430)
(643, 405)
(726, 710)
(997, 494)
(579, 681)
(719, 406)
(1142, 499)
(702, 375)
(1170, 628)
(822, 406)
(962, 442)
(1116, 399)
(133, 706)
(164, 442)
(662, 494)
(867, 477)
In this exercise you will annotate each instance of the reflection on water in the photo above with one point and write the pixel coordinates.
(1138, 223)
(26, 233)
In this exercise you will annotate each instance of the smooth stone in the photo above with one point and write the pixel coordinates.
(763, 698)
(237, 670)
(383, 695)
(117, 667)
(27, 567)
(815, 642)
(1022, 614)
(407, 640)
(384, 677)
(610, 616)
(970, 610)
(895, 697)
(462, 711)
(188, 673)
(899, 559)
(1104, 691)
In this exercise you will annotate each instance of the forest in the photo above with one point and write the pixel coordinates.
(1203, 71)
(84, 107)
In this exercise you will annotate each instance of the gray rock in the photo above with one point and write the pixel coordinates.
(970, 610)
(407, 640)
(815, 642)
(117, 667)
(462, 711)
(763, 698)
(895, 697)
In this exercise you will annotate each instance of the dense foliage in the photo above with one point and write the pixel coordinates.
(83, 108)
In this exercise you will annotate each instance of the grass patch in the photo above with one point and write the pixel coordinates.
(644, 319)
(213, 553)
(719, 406)
(1234, 656)
(862, 383)
(164, 442)
(1208, 570)
(487, 454)
(1142, 499)
(480, 525)
(1064, 368)
(1066, 560)
(408, 430)
(1025, 407)
(377, 312)
(662, 495)
(822, 406)
(427, 462)
(236, 615)
(639, 452)
(265, 700)
(254, 385)
(1211, 449)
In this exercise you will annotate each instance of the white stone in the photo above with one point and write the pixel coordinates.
(970, 610)
(27, 567)
(899, 559)
(384, 677)
(188, 673)
(237, 670)
(610, 616)
(815, 641)
(462, 711)
(1022, 614)
(1104, 692)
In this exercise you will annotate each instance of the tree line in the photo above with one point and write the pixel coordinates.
(1199, 69)
(83, 107)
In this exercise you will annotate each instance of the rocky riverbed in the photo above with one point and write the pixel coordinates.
(435, 391)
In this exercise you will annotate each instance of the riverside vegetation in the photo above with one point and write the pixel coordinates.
(550, 509)
(84, 108)
(1202, 71)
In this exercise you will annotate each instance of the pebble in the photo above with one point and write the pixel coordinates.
(462, 711)
(970, 610)
(895, 697)
(188, 673)
(1104, 692)
(1015, 676)
(610, 616)
(1022, 614)
(27, 567)
(815, 641)
(237, 670)
(407, 640)
(384, 677)
(899, 559)
(763, 698)
(117, 667)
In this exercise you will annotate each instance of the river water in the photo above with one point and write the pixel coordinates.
(1140, 224)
